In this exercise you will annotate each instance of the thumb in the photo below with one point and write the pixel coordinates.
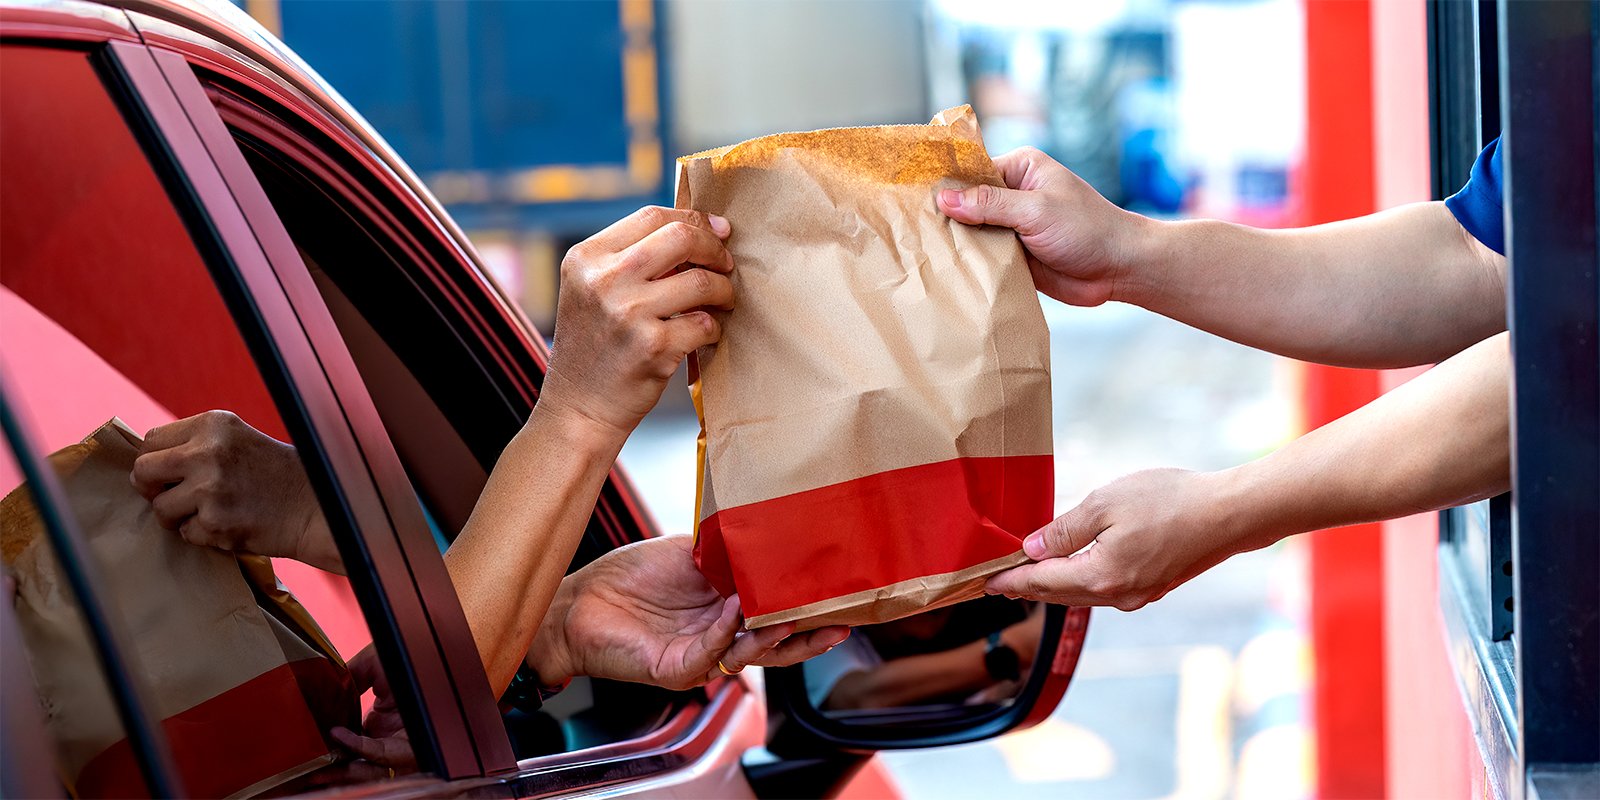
(987, 205)
(720, 636)
(1059, 580)
(1063, 536)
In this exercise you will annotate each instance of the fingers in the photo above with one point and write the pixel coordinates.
(365, 670)
(688, 332)
(1066, 534)
(390, 751)
(155, 469)
(686, 291)
(714, 643)
(176, 505)
(802, 646)
(1018, 166)
(1057, 580)
(664, 248)
(752, 645)
(989, 205)
(636, 226)
(171, 434)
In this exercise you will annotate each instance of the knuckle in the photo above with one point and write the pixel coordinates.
(655, 216)
(984, 194)
(657, 344)
(577, 256)
(701, 283)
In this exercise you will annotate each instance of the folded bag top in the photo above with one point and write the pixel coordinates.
(875, 422)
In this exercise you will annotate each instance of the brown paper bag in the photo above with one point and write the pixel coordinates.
(875, 422)
(241, 678)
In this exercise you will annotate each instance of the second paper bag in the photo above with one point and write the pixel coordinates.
(875, 422)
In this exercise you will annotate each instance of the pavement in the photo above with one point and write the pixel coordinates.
(1201, 695)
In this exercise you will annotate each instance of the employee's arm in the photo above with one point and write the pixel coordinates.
(1402, 287)
(1442, 439)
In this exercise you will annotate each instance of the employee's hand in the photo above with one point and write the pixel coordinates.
(644, 613)
(1130, 542)
(221, 483)
(1079, 244)
(634, 301)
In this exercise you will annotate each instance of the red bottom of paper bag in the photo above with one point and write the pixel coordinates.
(259, 731)
(868, 533)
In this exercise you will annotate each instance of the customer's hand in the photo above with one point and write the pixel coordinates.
(1131, 541)
(1080, 246)
(633, 304)
(383, 740)
(644, 613)
(221, 483)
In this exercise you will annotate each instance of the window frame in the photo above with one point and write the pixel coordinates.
(361, 493)
(500, 338)
(1523, 638)
(1549, 100)
(1475, 540)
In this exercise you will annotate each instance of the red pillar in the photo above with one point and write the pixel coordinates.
(1346, 564)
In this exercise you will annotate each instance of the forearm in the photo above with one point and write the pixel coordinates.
(510, 557)
(904, 681)
(1398, 288)
(1442, 439)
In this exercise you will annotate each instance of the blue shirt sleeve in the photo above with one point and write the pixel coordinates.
(1478, 205)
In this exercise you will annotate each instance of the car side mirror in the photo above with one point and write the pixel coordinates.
(959, 674)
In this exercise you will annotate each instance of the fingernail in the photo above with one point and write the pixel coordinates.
(719, 225)
(836, 638)
(1034, 546)
(951, 198)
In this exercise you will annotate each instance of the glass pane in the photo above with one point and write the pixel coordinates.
(171, 452)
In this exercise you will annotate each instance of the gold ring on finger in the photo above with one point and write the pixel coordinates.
(729, 672)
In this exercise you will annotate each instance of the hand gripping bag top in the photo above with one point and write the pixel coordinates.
(240, 678)
(875, 421)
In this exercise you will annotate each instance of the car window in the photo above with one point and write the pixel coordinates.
(114, 330)
(447, 404)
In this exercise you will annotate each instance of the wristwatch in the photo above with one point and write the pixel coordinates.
(1001, 661)
(527, 693)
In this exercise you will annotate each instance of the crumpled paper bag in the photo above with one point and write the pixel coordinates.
(875, 422)
(242, 680)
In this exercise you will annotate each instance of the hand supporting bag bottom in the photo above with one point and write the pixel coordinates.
(875, 421)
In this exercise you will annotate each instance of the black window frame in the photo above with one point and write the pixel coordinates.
(417, 626)
(1520, 574)
(490, 330)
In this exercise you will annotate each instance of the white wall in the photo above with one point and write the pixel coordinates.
(745, 68)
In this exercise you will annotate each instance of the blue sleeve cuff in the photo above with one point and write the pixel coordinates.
(1478, 206)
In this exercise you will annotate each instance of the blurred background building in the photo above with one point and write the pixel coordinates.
(539, 122)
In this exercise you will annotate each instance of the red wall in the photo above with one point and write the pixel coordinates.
(1429, 747)
(1347, 695)
(1389, 717)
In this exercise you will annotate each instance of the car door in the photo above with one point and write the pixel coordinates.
(442, 373)
(134, 288)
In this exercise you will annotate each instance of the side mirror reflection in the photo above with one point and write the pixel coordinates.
(976, 653)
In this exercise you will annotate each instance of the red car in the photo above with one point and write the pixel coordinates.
(191, 220)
